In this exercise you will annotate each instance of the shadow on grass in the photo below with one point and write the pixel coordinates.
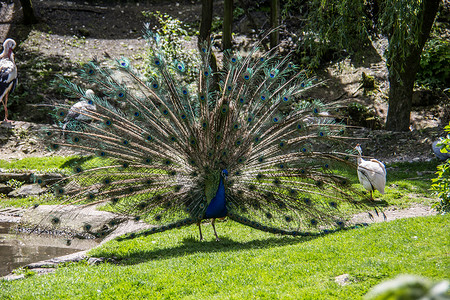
(191, 246)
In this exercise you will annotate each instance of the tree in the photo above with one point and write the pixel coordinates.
(274, 22)
(407, 24)
(28, 12)
(227, 24)
(345, 24)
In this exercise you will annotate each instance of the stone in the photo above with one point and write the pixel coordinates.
(343, 279)
(5, 189)
(71, 218)
(27, 190)
(24, 177)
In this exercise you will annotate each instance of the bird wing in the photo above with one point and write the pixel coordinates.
(8, 76)
(374, 173)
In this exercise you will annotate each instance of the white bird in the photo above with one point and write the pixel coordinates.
(82, 110)
(8, 73)
(371, 173)
(437, 150)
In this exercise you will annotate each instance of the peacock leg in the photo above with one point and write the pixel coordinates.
(200, 230)
(214, 227)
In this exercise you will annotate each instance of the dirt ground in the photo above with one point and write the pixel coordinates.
(71, 32)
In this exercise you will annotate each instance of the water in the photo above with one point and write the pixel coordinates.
(18, 250)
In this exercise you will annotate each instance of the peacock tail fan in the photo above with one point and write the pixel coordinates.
(156, 147)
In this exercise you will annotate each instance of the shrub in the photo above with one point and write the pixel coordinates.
(441, 184)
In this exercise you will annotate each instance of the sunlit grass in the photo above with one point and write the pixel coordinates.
(249, 264)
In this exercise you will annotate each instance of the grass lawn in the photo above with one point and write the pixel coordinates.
(249, 264)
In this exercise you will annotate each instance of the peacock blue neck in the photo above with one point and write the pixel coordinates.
(217, 207)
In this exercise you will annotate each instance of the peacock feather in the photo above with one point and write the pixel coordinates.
(246, 147)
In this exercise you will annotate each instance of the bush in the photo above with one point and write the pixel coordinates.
(434, 68)
(441, 184)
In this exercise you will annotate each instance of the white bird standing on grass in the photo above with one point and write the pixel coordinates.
(371, 173)
(8, 73)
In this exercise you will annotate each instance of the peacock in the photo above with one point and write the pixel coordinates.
(241, 144)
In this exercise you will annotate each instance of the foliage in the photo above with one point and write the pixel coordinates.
(174, 36)
(401, 22)
(434, 68)
(441, 184)
(15, 184)
(248, 264)
(331, 26)
(359, 115)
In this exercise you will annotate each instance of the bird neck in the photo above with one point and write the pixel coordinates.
(217, 207)
(359, 158)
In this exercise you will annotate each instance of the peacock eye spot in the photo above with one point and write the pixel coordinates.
(263, 97)
(313, 222)
(155, 85)
(121, 95)
(157, 62)
(125, 165)
(246, 77)
(185, 92)
(125, 142)
(90, 102)
(302, 85)
(108, 123)
(91, 71)
(285, 99)
(316, 110)
(272, 75)
(137, 114)
(204, 50)
(233, 59)
(275, 120)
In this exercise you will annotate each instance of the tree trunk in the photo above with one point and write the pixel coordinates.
(206, 21)
(205, 37)
(28, 12)
(227, 24)
(402, 72)
(274, 22)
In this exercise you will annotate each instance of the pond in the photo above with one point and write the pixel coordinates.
(18, 249)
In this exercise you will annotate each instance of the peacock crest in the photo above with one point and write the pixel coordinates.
(161, 151)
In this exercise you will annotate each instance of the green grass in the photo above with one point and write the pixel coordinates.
(249, 264)
(37, 163)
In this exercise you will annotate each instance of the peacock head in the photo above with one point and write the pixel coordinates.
(358, 148)
(224, 174)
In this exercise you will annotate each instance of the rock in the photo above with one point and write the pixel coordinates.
(343, 279)
(5, 189)
(12, 277)
(24, 177)
(27, 190)
(71, 218)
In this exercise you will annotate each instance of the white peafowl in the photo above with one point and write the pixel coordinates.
(8, 73)
(371, 173)
(80, 111)
(437, 146)
(248, 150)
